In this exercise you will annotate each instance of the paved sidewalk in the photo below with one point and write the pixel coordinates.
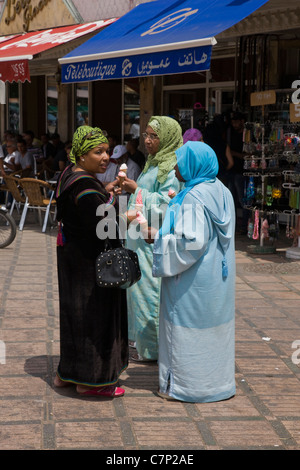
(264, 414)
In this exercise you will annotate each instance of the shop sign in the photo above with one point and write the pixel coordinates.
(294, 112)
(14, 71)
(24, 8)
(141, 65)
(262, 98)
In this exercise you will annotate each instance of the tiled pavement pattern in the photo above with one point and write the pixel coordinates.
(264, 414)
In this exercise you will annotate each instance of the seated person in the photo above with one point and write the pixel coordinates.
(9, 162)
(61, 159)
(25, 160)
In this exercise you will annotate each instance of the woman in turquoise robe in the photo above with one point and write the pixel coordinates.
(194, 254)
(163, 136)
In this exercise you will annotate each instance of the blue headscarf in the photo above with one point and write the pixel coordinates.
(197, 163)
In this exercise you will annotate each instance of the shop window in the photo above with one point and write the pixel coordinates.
(81, 105)
(131, 108)
(185, 78)
(14, 107)
(52, 103)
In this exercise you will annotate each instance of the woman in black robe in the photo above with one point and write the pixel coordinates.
(93, 320)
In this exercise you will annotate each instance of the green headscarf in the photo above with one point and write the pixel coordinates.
(170, 137)
(86, 138)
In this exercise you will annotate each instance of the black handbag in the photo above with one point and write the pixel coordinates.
(117, 267)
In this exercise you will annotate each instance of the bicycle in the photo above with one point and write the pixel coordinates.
(8, 228)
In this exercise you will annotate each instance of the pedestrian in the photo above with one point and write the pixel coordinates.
(195, 258)
(192, 134)
(212, 136)
(162, 137)
(93, 320)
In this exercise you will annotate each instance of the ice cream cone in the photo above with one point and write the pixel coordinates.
(124, 168)
(121, 176)
(171, 193)
(143, 223)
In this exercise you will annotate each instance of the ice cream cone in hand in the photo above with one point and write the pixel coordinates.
(121, 176)
(143, 223)
(139, 202)
(171, 193)
(124, 168)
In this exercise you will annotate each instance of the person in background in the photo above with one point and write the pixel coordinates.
(212, 135)
(26, 160)
(134, 153)
(12, 157)
(60, 161)
(162, 137)
(127, 126)
(57, 143)
(120, 156)
(113, 140)
(135, 128)
(237, 179)
(93, 320)
(192, 134)
(194, 255)
(47, 147)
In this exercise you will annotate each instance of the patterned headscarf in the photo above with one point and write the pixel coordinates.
(170, 137)
(86, 138)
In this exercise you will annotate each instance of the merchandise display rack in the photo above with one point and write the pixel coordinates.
(272, 186)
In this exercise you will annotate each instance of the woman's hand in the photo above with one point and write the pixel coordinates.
(151, 235)
(113, 188)
(131, 215)
(128, 185)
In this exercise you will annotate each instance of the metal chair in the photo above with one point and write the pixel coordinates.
(39, 196)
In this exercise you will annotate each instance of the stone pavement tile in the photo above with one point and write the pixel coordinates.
(23, 410)
(71, 407)
(22, 387)
(23, 335)
(293, 427)
(104, 434)
(251, 349)
(261, 386)
(283, 406)
(272, 286)
(259, 310)
(173, 434)
(244, 434)
(26, 349)
(24, 436)
(264, 367)
(238, 406)
(15, 322)
(32, 306)
(279, 323)
(240, 295)
(151, 407)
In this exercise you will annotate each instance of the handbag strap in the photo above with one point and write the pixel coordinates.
(107, 242)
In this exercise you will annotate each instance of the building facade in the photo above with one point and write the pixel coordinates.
(262, 52)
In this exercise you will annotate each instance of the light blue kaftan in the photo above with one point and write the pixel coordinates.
(143, 298)
(196, 330)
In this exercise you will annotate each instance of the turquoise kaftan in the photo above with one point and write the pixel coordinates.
(196, 337)
(143, 298)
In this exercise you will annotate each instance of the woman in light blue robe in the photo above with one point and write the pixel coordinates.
(163, 136)
(194, 254)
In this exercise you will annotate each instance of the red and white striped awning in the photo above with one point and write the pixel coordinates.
(16, 50)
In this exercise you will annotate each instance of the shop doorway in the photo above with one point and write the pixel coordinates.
(180, 105)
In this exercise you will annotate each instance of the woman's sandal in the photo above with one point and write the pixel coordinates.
(110, 391)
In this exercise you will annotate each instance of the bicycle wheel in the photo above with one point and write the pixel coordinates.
(8, 229)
